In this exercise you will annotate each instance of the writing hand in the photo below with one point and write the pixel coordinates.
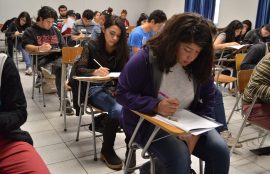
(45, 47)
(102, 71)
(167, 107)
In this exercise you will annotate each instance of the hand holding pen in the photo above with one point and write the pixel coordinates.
(167, 106)
(101, 71)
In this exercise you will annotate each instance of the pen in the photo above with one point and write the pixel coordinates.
(163, 94)
(98, 63)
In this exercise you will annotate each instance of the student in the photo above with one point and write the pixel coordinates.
(123, 16)
(42, 36)
(83, 28)
(176, 60)
(142, 19)
(230, 36)
(17, 155)
(143, 33)
(97, 28)
(258, 35)
(111, 51)
(62, 9)
(96, 17)
(259, 85)
(67, 27)
(17, 29)
(247, 24)
(254, 55)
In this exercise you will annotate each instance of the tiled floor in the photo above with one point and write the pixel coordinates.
(64, 155)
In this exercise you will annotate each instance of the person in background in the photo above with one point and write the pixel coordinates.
(103, 17)
(62, 9)
(254, 55)
(123, 16)
(259, 86)
(258, 35)
(247, 25)
(17, 155)
(229, 36)
(142, 19)
(42, 37)
(7, 23)
(182, 55)
(141, 34)
(219, 110)
(78, 16)
(14, 36)
(83, 28)
(67, 27)
(96, 17)
(111, 51)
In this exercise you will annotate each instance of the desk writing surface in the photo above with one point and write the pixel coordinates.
(168, 128)
(92, 79)
(46, 52)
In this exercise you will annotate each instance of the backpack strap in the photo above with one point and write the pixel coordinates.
(3, 58)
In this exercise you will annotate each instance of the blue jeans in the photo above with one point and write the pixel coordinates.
(174, 154)
(25, 55)
(101, 98)
(219, 110)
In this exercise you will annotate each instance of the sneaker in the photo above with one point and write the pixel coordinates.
(69, 110)
(111, 160)
(227, 136)
(29, 71)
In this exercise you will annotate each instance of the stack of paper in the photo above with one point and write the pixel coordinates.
(190, 122)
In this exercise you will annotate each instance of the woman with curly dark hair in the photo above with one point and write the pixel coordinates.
(177, 62)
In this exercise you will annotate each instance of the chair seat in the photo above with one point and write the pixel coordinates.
(221, 78)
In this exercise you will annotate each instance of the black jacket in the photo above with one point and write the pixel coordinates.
(254, 55)
(13, 104)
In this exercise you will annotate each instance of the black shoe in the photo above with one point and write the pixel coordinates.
(99, 123)
(69, 111)
(111, 159)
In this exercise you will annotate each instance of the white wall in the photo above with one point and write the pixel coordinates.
(237, 9)
(12, 8)
(229, 9)
(170, 7)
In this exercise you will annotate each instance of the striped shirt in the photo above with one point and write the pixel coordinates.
(259, 83)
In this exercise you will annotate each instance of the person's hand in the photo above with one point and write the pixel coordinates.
(167, 107)
(17, 33)
(102, 71)
(45, 47)
(233, 44)
(81, 35)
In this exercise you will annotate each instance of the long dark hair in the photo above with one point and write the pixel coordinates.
(184, 28)
(230, 31)
(122, 54)
(27, 17)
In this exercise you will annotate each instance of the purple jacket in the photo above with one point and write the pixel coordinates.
(137, 91)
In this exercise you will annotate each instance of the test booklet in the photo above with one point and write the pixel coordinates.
(190, 122)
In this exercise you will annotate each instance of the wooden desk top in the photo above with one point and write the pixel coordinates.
(46, 52)
(168, 128)
(96, 79)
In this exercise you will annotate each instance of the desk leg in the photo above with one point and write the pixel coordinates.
(34, 67)
(63, 96)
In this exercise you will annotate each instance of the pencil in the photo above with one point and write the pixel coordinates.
(163, 94)
(98, 63)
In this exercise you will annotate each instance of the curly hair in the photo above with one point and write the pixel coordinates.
(184, 28)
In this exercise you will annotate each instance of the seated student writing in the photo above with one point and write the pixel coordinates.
(177, 62)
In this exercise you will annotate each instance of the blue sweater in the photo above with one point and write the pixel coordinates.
(136, 91)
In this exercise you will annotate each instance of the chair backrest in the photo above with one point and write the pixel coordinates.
(243, 79)
(69, 54)
(130, 28)
(238, 60)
